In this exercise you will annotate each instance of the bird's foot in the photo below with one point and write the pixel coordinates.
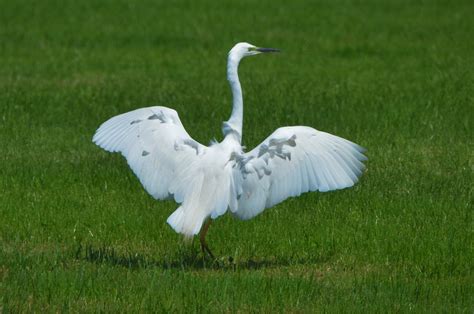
(205, 250)
(202, 238)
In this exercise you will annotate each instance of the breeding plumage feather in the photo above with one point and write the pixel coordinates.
(207, 181)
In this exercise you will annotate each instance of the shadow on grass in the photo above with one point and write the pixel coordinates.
(188, 260)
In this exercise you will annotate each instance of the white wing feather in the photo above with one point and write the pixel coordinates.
(149, 138)
(169, 163)
(291, 161)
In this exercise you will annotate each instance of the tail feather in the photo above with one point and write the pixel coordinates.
(183, 224)
(206, 195)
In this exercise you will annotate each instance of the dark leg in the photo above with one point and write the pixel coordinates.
(202, 238)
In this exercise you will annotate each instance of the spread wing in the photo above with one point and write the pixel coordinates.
(291, 161)
(156, 147)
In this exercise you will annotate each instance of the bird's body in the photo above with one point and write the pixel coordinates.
(209, 181)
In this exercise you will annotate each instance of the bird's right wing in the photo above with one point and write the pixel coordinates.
(291, 161)
(157, 148)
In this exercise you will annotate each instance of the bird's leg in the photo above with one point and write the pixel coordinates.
(202, 238)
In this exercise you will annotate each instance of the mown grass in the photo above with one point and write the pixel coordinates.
(79, 233)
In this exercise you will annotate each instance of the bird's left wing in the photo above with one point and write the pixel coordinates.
(155, 144)
(291, 161)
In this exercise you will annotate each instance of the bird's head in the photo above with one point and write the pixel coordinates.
(245, 49)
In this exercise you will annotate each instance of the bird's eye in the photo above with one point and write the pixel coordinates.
(252, 49)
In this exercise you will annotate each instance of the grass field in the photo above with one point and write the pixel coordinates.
(79, 233)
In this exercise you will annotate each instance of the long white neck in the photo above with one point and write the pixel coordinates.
(234, 124)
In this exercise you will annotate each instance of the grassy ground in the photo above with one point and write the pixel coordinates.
(78, 232)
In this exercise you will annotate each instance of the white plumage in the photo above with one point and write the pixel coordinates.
(207, 181)
(291, 161)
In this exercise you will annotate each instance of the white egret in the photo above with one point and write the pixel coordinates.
(207, 181)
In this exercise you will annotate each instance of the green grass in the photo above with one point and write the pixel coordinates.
(79, 233)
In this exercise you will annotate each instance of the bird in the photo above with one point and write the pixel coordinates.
(208, 181)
